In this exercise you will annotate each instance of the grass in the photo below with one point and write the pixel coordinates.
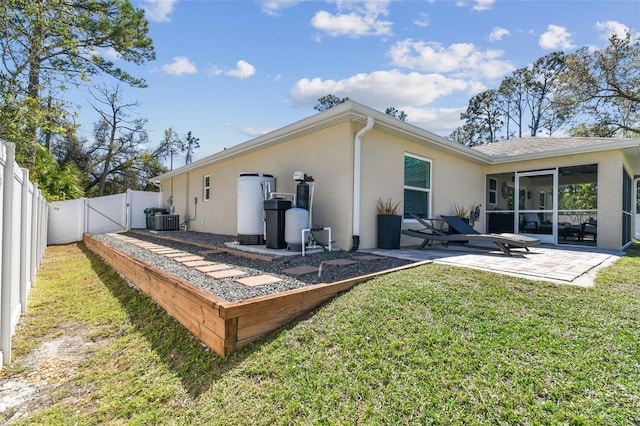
(431, 345)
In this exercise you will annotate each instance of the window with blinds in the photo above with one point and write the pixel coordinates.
(417, 186)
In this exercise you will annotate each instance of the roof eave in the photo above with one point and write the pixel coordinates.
(345, 112)
(609, 146)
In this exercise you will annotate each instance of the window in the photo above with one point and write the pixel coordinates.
(417, 186)
(207, 188)
(493, 191)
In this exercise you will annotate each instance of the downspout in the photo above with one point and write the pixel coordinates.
(357, 148)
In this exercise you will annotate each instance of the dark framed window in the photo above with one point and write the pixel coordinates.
(417, 186)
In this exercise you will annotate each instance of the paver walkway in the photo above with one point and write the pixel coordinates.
(559, 264)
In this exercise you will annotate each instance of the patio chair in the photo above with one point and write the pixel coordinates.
(531, 222)
(430, 233)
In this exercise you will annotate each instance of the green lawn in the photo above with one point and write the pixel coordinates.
(430, 345)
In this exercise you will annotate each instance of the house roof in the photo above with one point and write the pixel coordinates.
(534, 148)
(351, 111)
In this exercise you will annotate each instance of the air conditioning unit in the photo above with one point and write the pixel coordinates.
(167, 222)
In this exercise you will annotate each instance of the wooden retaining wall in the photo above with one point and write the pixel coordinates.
(221, 325)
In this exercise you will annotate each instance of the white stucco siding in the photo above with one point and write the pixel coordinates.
(454, 181)
(326, 155)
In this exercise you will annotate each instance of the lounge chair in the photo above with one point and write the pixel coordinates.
(505, 242)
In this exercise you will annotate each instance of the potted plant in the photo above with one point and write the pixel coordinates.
(461, 212)
(389, 224)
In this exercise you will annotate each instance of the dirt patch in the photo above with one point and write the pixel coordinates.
(29, 383)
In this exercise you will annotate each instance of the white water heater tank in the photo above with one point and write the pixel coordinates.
(295, 220)
(252, 190)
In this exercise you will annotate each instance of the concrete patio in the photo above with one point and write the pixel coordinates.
(558, 264)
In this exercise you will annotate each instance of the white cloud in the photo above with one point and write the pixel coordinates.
(437, 120)
(609, 28)
(254, 131)
(243, 70)
(380, 89)
(108, 53)
(180, 65)
(463, 59)
(423, 20)
(361, 19)
(214, 71)
(158, 10)
(481, 5)
(273, 7)
(478, 5)
(498, 33)
(556, 37)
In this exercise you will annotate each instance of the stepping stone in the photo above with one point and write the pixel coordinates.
(147, 245)
(367, 257)
(166, 251)
(188, 258)
(176, 254)
(160, 249)
(227, 273)
(195, 263)
(213, 267)
(301, 270)
(258, 280)
(118, 236)
(339, 262)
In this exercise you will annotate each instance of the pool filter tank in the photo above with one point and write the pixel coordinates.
(253, 189)
(295, 220)
(299, 218)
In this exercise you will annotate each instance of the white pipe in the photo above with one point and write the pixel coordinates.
(356, 175)
(312, 185)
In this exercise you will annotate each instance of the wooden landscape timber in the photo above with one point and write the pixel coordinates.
(222, 325)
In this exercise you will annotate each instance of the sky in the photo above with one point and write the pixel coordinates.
(229, 71)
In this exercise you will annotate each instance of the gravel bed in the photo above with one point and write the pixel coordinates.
(227, 288)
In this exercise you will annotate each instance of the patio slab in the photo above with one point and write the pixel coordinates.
(558, 264)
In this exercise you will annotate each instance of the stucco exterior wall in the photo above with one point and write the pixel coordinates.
(610, 164)
(453, 181)
(326, 155)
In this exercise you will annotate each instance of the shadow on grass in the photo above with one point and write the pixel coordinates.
(197, 366)
(633, 250)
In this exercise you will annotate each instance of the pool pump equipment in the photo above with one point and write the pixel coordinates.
(269, 217)
(299, 217)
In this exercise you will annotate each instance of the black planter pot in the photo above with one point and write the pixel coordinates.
(389, 230)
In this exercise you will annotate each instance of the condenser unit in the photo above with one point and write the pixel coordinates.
(167, 222)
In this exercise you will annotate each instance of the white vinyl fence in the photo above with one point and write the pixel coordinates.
(69, 220)
(23, 214)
